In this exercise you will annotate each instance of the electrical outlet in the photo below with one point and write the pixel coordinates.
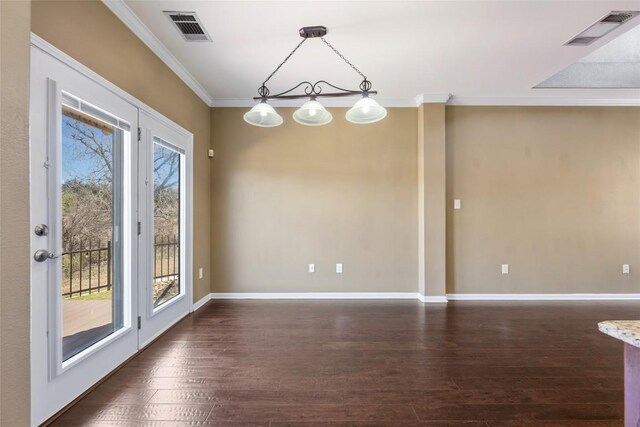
(200, 273)
(505, 268)
(312, 268)
(339, 268)
(625, 268)
(457, 204)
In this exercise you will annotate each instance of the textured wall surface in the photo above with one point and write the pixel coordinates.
(551, 191)
(14, 213)
(285, 197)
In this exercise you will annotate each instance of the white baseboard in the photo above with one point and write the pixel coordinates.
(315, 295)
(542, 297)
(431, 299)
(413, 295)
(202, 301)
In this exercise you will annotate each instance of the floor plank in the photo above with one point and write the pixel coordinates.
(365, 363)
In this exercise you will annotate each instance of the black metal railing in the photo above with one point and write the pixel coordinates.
(90, 270)
(165, 265)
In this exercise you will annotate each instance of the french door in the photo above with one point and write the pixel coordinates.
(164, 186)
(111, 216)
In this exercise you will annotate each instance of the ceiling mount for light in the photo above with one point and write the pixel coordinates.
(312, 113)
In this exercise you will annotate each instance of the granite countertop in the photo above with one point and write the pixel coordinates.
(625, 330)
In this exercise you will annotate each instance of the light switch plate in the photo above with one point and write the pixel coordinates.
(505, 268)
(457, 204)
(312, 268)
(339, 268)
(211, 153)
(200, 273)
(625, 268)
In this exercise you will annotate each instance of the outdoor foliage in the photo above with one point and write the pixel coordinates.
(90, 151)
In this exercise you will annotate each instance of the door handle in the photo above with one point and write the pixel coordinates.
(41, 255)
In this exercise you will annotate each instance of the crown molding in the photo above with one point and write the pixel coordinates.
(433, 98)
(131, 20)
(327, 102)
(443, 99)
(538, 101)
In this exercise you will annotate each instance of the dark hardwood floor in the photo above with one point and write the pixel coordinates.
(277, 363)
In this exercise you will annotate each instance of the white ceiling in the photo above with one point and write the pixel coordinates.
(474, 50)
(616, 64)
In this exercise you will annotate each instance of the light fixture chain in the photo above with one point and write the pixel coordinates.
(283, 62)
(343, 58)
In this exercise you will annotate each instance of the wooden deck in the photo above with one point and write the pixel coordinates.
(84, 322)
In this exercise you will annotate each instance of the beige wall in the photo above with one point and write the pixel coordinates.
(289, 196)
(552, 191)
(431, 200)
(14, 213)
(91, 34)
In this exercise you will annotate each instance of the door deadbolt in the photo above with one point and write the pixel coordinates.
(41, 230)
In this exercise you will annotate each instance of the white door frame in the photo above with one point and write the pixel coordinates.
(56, 382)
(154, 321)
(39, 392)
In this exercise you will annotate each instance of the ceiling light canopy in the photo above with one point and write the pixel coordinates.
(312, 113)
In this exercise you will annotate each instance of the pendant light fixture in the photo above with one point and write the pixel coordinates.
(365, 111)
(263, 115)
(312, 112)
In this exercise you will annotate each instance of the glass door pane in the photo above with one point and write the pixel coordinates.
(91, 188)
(167, 185)
(165, 193)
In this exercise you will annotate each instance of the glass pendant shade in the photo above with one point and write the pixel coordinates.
(365, 111)
(263, 115)
(312, 113)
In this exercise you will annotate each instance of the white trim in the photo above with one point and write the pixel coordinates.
(416, 101)
(131, 20)
(414, 295)
(427, 299)
(346, 102)
(56, 53)
(437, 98)
(442, 99)
(153, 337)
(321, 295)
(314, 295)
(201, 302)
(543, 297)
(155, 320)
(537, 101)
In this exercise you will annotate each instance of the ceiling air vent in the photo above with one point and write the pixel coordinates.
(618, 17)
(188, 25)
(601, 28)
